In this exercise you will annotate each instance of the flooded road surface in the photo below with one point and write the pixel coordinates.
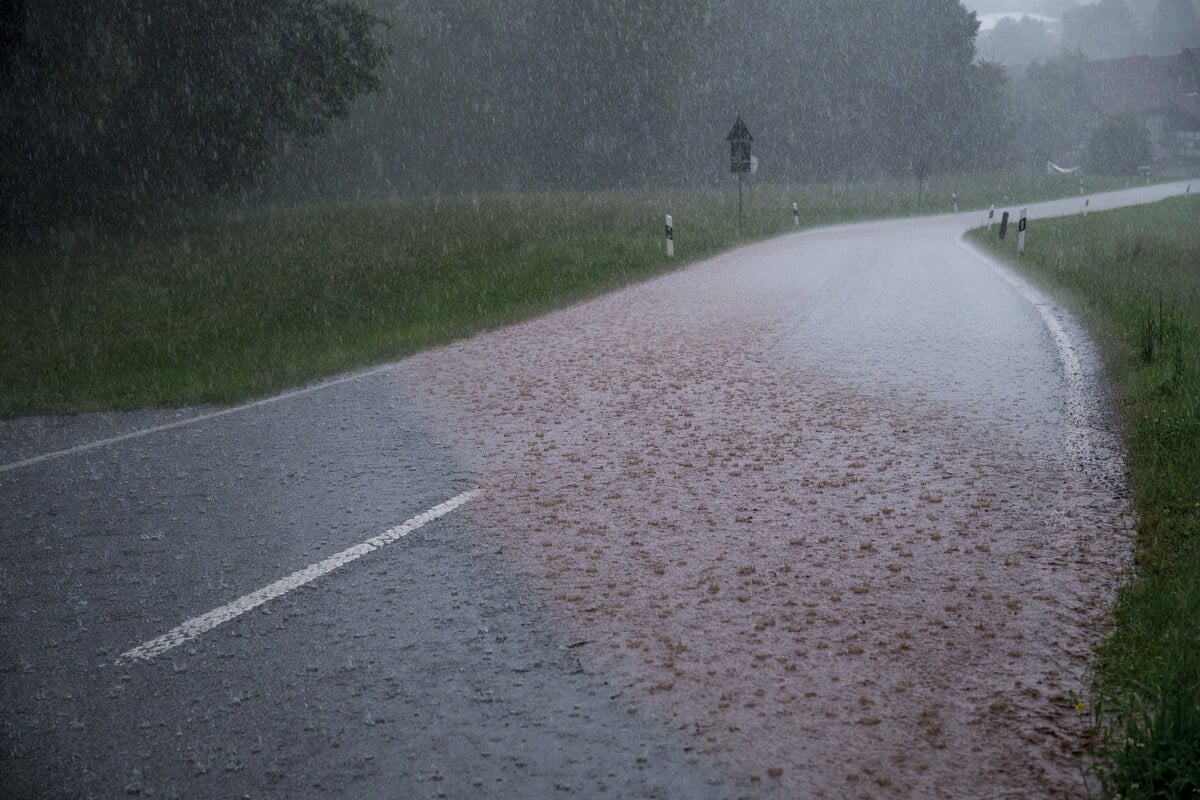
(835, 515)
(844, 507)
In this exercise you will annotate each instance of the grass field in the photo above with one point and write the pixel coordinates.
(236, 304)
(1134, 276)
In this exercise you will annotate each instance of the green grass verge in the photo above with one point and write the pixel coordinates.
(236, 304)
(1134, 276)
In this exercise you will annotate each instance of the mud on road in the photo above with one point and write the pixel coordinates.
(834, 588)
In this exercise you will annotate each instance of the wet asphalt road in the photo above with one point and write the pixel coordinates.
(421, 670)
(418, 671)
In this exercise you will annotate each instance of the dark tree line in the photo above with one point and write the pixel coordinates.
(535, 94)
(516, 94)
(854, 87)
(113, 104)
(107, 105)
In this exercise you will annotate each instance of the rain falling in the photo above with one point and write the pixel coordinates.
(529, 398)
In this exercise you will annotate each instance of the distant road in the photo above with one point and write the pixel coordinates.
(436, 657)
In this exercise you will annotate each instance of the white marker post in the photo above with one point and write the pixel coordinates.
(954, 199)
(1081, 187)
(991, 217)
(670, 237)
(1021, 232)
(796, 214)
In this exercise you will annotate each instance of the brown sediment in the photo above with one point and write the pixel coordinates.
(837, 593)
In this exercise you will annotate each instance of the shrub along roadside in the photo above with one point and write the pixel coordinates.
(1134, 276)
(242, 303)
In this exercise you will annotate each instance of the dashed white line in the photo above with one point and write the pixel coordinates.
(206, 622)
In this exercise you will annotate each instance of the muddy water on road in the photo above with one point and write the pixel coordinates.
(809, 502)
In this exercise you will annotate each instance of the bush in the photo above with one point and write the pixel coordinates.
(1118, 147)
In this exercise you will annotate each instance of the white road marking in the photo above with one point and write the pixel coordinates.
(83, 448)
(206, 622)
(1088, 444)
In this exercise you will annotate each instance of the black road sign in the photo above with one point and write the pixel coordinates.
(739, 147)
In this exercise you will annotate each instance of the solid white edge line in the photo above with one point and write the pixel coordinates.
(86, 446)
(1088, 442)
(197, 626)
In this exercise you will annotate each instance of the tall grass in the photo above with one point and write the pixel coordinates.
(1135, 277)
(242, 303)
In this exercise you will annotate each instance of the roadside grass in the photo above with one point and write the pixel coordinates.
(1134, 276)
(227, 305)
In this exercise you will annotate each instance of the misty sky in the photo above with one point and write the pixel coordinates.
(1000, 6)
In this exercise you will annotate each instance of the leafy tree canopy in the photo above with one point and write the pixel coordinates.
(1121, 146)
(1055, 110)
(109, 103)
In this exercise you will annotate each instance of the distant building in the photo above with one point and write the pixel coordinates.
(1163, 92)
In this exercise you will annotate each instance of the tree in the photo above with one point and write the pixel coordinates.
(841, 87)
(516, 95)
(1121, 146)
(600, 82)
(928, 49)
(986, 131)
(1017, 41)
(1054, 110)
(111, 103)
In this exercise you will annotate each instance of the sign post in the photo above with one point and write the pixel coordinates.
(670, 236)
(739, 158)
(796, 214)
(1021, 232)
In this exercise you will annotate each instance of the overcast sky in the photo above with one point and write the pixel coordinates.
(998, 6)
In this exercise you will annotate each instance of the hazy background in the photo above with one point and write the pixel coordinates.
(1099, 28)
(112, 106)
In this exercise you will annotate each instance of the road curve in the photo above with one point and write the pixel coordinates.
(843, 507)
(833, 513)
